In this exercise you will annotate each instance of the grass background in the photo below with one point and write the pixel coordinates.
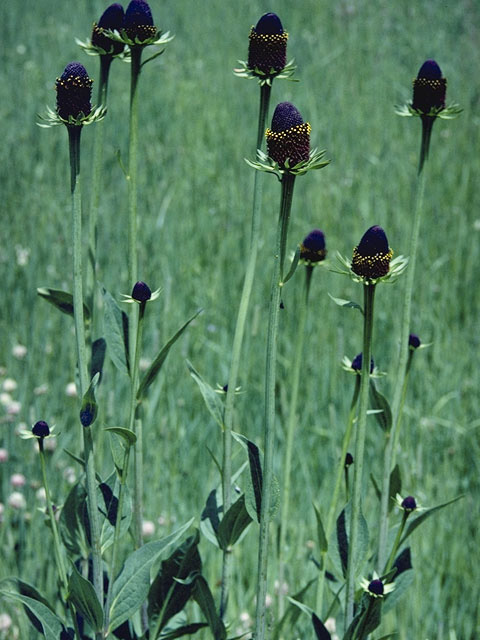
(197, 122)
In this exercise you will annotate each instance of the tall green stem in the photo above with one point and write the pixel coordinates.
(292, 421)
(396, 543)
(105, 62)
(369, 295)
(265, 91)
(74, 133)
(288, 182)
(336, 491)
(392, 438)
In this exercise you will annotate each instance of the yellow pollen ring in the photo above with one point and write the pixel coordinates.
(303, 128)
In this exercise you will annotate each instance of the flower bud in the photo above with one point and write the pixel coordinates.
(41, 429)
(74, 90)
(313, 249)
(371, 258)
(376, 587)
(409, 504)
(88, 414)
(348, 460)
(141, 292)
(138, 23)
(111, 20)
(357, 363)
(413, 341)
(288, 139)
(267, 49)
(429, 88)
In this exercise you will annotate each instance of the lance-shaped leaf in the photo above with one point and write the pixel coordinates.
(62, 300)
(367, 620)
(322, 540)
(51, 625)
(383, 413)
(233, 524)
(107, 500)
(99, 348)
(349, 304)
(26, 589)
(73, 522)
(423, 516)
(203, 597)
(130, 589)
(183, 630)
(210, 396)
(320, 630)
(89, 408)
(340, 542)
(254, 493)
(157, 364)
(82, 595)
(293, 611)
(395, 485)
(293, 265)
(115, 324)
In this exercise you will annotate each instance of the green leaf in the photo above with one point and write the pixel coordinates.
(52, 626)
(171, 589)
(383, 413)
(340, 544)
(233, 524)
(254, 493)
(378, 493)
(184, 630)
(395, 486)
(107, 499)
(367, 620)
(157, 364)
(26, 589)
(292, 613)
(130, 589)
(322, 540)
(212, 399)
(126, 434)
(99, 348)
(320, 631)
(61, 300)
(115, 323)
(73, 521)
(203, 597)
(402, 583)
(423, 516)
(346, 303)
(82, 595)
(210, 518)
(293, 266)
(89, 408)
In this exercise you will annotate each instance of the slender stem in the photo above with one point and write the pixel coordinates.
(336, 491)
(91, 485)
(369, 295)
(238, 340)
(400, 411)
(427, 124)
(105, 62)
(292, 422)
(396, 544)
(136, 54)
(288, 181)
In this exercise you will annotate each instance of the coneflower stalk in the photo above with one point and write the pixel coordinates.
(73, 106)
(107, 49)
(312, 253)
(268, 27)
(429, 91)
(288, 143)
(371, 261)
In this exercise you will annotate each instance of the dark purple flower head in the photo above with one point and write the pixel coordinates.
(376, 587)
(88, 414)
(41, 429)
(348, 460)
(409, 504)
(288, 139)
(138, 22)
(429, 88)
(74, 91)
(141, 292)
(267, 50)
(357, 363)
(414, 341)
(371, 258)
(112, 20)
(313, 248)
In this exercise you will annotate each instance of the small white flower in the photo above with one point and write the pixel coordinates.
(375, 587)
(5, 622)
(148, 528)
(40, 494)
(3, 455)
(71, 390)
(41, 389)
(17, 480)
(19, 351)
(14, 408)
(16, 500)
(9, 384)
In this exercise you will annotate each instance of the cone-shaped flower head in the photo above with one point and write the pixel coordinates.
(112, 20)
(409, 504)
(141, 292)
(267, 50)
(371, 258)
(74, 90)
(357, 363)
(313, 249)
(41, 429)
(414, 341)
(429, 88)
(288, 139)
(138, 22)
(376, 587)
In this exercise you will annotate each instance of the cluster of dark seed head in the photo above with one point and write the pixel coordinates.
(371, 258)
(267, 49)
(138, 23)
(74, 91)
(313, 249)
(429, 88)
(112, 20)
(289, 136)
